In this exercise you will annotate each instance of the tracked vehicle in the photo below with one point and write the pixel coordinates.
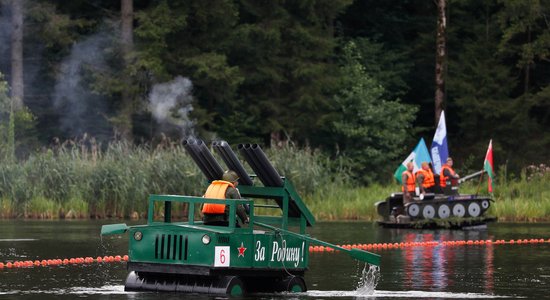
(270, 254)
(448, 209)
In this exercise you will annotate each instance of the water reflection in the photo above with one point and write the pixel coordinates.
(442, 272)
(435, 266)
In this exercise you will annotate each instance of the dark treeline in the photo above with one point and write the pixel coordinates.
(354, 79)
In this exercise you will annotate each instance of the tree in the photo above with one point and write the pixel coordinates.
(284, 52)
(525, 44)
(486, 90)
(127, 45)
(369, 129)
(16, 126)
(407, 32)
(440, 59)
(17, 84)
(190, 39)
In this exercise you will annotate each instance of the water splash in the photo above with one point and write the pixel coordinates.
(370, 275)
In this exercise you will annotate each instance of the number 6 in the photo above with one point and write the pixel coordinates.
(222, 256)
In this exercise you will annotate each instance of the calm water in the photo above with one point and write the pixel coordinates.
(512, 271)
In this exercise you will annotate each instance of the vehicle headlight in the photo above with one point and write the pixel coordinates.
(206, 239)
(138, 235)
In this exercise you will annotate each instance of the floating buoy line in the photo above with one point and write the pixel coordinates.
(386, 246)
(370, 247)
(60, 262)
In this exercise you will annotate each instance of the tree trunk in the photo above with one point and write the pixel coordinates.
(127, 43)
(127, 30)
(440, 60)
(17, 86)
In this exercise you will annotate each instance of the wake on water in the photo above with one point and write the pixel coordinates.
(370, 275)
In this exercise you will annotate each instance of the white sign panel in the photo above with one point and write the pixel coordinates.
(222, 255)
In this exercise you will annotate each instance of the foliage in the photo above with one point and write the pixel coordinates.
(497, 80)
(368, 125)
(283, 50)
(117, 181)
(266, 71)
(17, 130)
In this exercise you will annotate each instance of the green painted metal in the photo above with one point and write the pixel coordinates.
(188, 246)
(291, 202)
(180, 243)
(361, 255)
(236, 290)
(114, 229)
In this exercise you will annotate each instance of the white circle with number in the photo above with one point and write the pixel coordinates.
(443, 212)
(459, 210)
(413, 210)
(474, 210)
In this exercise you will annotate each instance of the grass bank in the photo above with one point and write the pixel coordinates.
(525, 198)
(80, 182)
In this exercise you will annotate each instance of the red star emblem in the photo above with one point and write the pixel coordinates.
(241, 249)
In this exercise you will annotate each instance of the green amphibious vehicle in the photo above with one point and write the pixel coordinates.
(445, 209)
(176, 252)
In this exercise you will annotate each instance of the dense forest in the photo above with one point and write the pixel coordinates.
(355, 80)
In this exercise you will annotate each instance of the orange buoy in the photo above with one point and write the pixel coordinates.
(125, 257)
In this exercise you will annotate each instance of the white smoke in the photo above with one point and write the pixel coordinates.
(171, 103)
(80, 109)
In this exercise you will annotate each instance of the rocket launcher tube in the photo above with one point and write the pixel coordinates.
(254, 164)
(274, 177)
(193, 151)
(208, 159)
(232, 162)
(371, 258)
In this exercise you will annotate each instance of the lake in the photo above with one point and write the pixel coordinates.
(432, 272)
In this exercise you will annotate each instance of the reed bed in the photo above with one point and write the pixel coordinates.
(80, 182)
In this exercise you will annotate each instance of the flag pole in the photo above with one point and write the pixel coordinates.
(479, 184)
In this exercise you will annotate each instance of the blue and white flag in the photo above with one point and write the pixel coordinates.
(419, 155)
(439, 148)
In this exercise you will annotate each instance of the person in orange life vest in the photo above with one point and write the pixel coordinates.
(425, 179)
(218, 214)
(447, 173)
(409, 182)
